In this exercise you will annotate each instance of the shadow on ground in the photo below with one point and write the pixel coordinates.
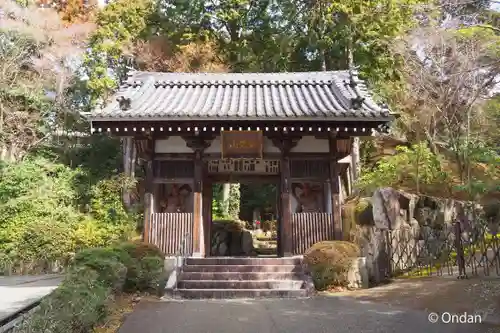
(438, 294)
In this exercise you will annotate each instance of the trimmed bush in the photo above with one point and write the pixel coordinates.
(143, 265)
(329, 262)
(103, 253)
(150, 273)
(80, 303)
(77, 306)
(139, 250)
(112, 272)
(146, 266)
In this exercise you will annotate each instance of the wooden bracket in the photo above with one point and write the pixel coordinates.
(285, 145)
(197, 143)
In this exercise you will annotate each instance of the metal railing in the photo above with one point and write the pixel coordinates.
(180, 257)
(449, 249)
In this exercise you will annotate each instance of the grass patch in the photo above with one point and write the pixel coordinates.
(123, 304)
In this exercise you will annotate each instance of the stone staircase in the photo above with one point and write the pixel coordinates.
(234, 277)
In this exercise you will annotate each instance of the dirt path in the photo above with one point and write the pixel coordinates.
(438, 294)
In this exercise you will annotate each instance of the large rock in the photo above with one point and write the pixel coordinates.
(414, 228)
(231, 239)
(386, 208)
(246, 242)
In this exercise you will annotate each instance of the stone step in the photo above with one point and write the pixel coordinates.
(226, 284)
(243, 261)
(243, 268)
(238, 276)
(265, 251)
(239, 293)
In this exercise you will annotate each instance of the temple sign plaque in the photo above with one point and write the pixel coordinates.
(241, 144)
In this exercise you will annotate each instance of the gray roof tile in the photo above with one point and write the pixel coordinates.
(244, 96)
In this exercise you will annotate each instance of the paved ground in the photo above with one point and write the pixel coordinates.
(479, 295)
(16, 292)
(313, 315)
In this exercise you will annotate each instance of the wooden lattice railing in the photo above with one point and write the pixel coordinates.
(310, 228)
(166, 230)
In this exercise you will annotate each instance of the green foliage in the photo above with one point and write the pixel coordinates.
(78, 305)
(230, 209)
(410, 167)
(366, 29)
(143, 265)
(119, 24)
(482, 156)
(110, 263)
(149, 273)
(260, 196)
(139, 250)
(233, 204)
(43, 217)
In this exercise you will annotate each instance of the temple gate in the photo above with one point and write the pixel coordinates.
(193, 130)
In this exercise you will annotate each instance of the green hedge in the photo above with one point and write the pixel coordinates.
(94, 277)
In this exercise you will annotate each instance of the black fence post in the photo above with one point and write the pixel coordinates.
(388, 249)
(460, 251)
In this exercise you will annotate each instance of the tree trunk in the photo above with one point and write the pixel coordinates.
(226, 188)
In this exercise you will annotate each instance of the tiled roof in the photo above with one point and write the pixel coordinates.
(242, 96)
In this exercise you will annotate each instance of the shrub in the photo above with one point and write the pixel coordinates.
(329, 262)
(76, 306)
(102, 253)
(80, 303)
(139, 250)
(48, 211)
(149, 273)
(143, 264)
(407, 168)
(146, 267)
(108, 263)
(45, 240)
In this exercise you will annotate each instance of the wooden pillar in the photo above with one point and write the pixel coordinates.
(149, 207)
(335, 188)
(286, 213)
(207, 213)
(198, 145)
(285, 223)
(198, 235)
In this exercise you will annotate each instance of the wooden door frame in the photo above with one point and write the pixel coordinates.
(212, 179)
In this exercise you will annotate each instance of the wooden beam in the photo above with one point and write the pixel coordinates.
(200, 128)
(174, 156)
(271, 156)
(161, 180)
(244, 178)
(335, 188)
